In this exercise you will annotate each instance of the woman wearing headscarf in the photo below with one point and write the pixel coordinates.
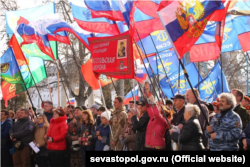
(190, 136)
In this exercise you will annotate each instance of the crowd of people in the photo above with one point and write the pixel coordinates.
(184, 123)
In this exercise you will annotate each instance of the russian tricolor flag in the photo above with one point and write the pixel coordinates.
(185, 24)
(130, 96)
(29, 35)
(71, 101)
(105, 8)
(82, 15)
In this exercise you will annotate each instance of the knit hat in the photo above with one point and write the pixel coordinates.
(95, 106)
(106, 114)
(79, 108)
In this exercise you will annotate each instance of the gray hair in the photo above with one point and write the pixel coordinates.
(194, 109)
(231, 100)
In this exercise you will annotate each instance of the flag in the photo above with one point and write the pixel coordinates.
(185, 24)
(173, 81)
(20, 58)
(71, 101)
(82, 15)
(130, 96)
(11, 90)
(37, 68)
(31, 34)
(143, 23)
(208, 46)
(126, 7)
(61, 26)
(160, 40)
(169, 60)
(140, 72)
(29, 14)
(239, 7)
(105, 8)
(59, 36)
(230, 37)
(206, 89)
(242, 26)
(148, 7)
(92, 79)
(9, 68)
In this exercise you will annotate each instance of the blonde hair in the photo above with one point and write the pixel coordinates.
(11, 112)
(194, 109)
(45, 121)
(90, 117)
(169, 112)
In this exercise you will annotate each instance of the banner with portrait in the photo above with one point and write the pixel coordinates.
(113, 56)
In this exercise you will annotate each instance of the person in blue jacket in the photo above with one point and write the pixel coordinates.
(6, 143)
(245, 137)
(103, 132)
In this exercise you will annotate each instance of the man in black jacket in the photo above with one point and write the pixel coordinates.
(22, 131)
(179, 105)
(140, 126)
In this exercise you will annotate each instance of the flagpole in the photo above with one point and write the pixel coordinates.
(221, 74)
(210, 79)
(114, 86)
(184, 70)
(160, 90)
(162, 65)
(134, 94)
(58, 88)
(49, 91)
(199, 76)
(179, 77)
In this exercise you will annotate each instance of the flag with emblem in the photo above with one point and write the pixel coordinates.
(207, 85)
(174, 83)
(11, 90)
(186, 20)
(28, 15)
(9, 68)
(160, 40)
(82, 15)
(168, 61)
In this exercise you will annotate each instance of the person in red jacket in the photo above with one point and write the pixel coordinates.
(156, 129)
(56, 137)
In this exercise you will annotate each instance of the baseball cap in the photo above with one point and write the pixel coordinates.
(136, 102)
(95, 106)
(142, 103)
(178, 96)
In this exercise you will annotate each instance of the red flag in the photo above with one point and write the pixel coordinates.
(113, 56)
(92, 79)
(21, 60)
(10, 90)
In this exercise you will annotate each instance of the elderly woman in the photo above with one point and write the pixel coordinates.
(190, 136)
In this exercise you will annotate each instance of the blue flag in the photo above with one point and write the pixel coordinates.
(173, 79)
(161, 41)
(169, 61)
(207, 92)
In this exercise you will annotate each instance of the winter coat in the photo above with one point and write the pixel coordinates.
(39, 135)
(244, 116)
(140, 126)
(73, 129)
(5, 137)
(155, 134)
(190, 137)
(49, 115)
(86, 132)
(58, 130)
(246, 135)
(105, 134)
(23, 130)
(118, 121)
(178, 117)
(129, 139)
